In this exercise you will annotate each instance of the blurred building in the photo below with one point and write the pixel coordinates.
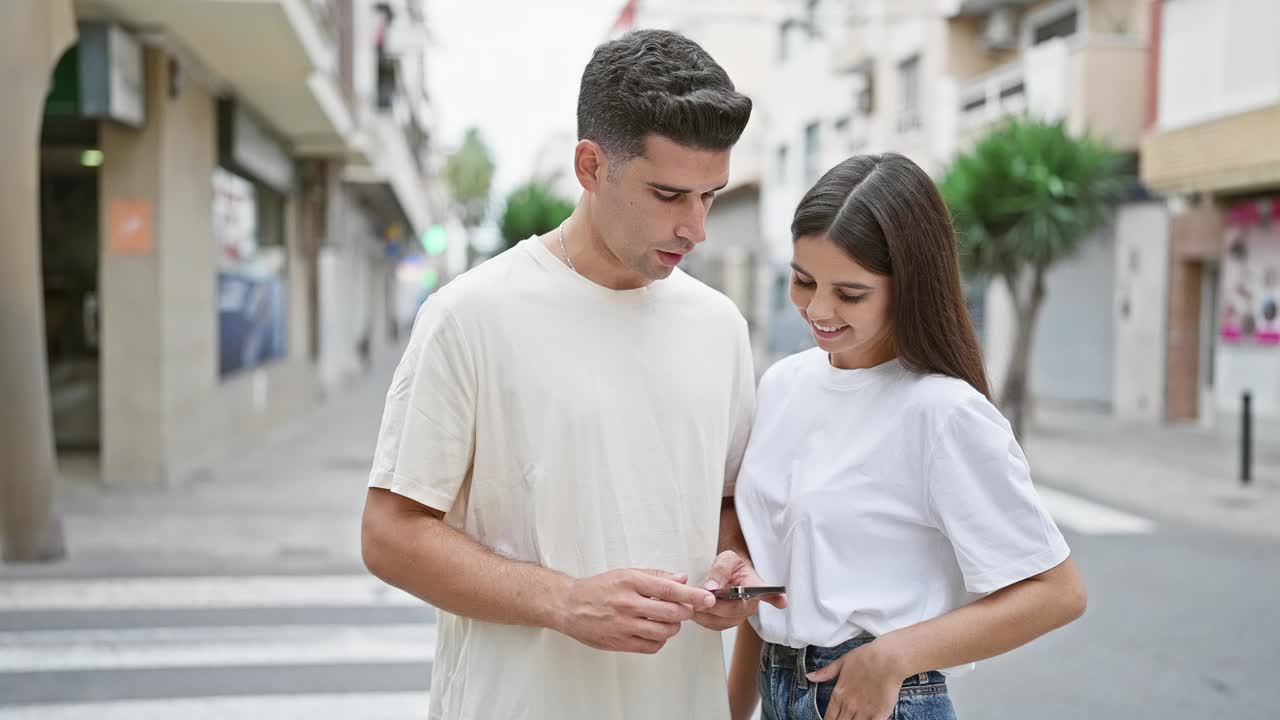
(928, 78)
(553, 163)
(224, 189)
(735, 258)
(1211, 146)
(1171, 312)
(803, 105)
(384, 198)
(1081, 62)
(866, 76)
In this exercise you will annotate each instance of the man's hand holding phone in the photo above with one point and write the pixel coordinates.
(634, 611)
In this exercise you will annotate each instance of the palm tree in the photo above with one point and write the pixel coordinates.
(1025, 198)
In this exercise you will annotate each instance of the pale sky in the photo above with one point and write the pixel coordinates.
(511, 67)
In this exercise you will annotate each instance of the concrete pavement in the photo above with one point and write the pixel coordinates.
(293, 506)
(1179, 473)
(1180, 624)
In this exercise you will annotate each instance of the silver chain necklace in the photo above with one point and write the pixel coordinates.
(565, 252)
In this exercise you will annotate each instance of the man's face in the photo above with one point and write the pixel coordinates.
(656, 205)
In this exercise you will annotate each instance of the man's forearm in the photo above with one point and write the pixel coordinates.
(418, 553)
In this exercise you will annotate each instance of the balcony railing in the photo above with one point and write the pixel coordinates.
(999, 94)
(1092, 82)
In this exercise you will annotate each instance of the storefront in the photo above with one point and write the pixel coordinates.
(1244, 312)
(99, 80)
(250, 185)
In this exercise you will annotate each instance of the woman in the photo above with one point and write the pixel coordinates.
(881, 485)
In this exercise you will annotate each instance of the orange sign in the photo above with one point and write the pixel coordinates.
(129, 227)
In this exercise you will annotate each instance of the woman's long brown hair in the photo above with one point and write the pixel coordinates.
(886, 214)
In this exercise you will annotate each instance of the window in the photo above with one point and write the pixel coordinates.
(385, 80)
(1059, 19)
(843, 135)
(788, 333)
(811, 18)
(1014, 90)
(811, 153)
(865, 99)
(784, 41)
(909, 92)
(1060, 27)
(782, 164)
(252, 274)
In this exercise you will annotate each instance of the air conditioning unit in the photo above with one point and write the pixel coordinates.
(999, 30)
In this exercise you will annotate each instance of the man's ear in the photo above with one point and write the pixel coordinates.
(590, 164)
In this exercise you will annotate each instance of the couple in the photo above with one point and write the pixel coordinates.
(563, 467)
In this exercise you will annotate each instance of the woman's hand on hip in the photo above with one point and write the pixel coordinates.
(868, 681)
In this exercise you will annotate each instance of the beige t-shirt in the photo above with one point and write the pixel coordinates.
(584, 429)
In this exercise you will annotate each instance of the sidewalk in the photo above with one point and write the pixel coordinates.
(291, 507)
(1181, 472)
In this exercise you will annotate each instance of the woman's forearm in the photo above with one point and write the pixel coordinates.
(744, 667)
(1005, 620)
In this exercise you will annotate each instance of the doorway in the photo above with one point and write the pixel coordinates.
(69, 236)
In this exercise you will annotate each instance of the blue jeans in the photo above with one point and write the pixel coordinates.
(788, 695)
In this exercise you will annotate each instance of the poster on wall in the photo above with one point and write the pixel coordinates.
(1251, 275)
(129, 230)
(252, 298)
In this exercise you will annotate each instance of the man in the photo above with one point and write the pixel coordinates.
(559, 445)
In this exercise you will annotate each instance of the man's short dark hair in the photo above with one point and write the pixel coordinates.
(658, 82)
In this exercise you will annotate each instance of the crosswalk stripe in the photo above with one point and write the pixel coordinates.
(367, 706)
(1090, 518)
(55, 650)
(201, 592)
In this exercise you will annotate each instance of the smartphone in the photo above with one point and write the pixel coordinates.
(746, 592)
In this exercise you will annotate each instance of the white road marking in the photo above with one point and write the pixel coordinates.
(367, 706)
(188, 647)
(201, 593)
(1090, 518)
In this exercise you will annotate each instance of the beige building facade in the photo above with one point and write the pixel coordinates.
(1210, 147)
(206, 232)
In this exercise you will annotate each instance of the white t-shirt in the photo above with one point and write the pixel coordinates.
(583, 429)
(883, 498)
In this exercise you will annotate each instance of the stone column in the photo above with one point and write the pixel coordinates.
(32, 38)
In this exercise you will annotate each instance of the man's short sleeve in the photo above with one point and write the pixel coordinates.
(427, 435)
